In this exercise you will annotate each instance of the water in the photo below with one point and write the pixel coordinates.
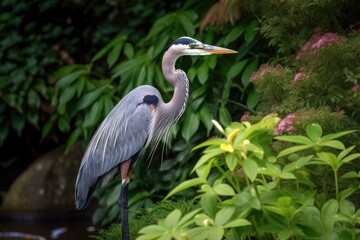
(70, 229)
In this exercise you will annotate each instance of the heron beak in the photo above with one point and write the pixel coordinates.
(217, 50)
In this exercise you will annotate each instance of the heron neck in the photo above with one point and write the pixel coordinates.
(180, 82)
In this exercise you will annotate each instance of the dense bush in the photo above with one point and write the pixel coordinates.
(247, 191)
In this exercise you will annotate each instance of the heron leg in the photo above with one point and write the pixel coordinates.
(125, 170)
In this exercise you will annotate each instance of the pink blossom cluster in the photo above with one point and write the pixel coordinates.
(299, 76)
(263, 70)
(316, 41)
(245, 116)
(356, 88)
(287, 124)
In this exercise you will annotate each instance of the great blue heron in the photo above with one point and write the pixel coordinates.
(139, 119)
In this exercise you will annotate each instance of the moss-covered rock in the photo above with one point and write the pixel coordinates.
(48, 183)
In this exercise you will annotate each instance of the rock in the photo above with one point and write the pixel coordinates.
(48, 184)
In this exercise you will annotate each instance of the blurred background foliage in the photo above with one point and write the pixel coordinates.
(64, 66)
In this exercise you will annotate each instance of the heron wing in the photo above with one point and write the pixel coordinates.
(123, 134)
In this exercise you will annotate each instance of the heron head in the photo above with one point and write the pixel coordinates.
(190, 46)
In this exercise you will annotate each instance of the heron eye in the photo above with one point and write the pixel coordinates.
(191, 45)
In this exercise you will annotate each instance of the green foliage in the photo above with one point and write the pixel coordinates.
(145, 217)
(246, 190)
(288, 24)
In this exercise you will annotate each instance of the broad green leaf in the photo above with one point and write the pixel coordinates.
(93, 116)
(188, 218)
(314, 131)
(113, 196)
(250, 168)
(235, 33)
(236, 68)
(190, 125)
(231, 161)
(185, 185)
(173, 218)
(251, 66)
(250, 31)
(328, 211)
(240, 222)
(215, 141)
(334, 144)
(186, 24)
(201, 219)
(67, 95)
(205, 117)
(224, 116)
(89, 98)
(118, 40)
(204, 170)
(69, 79)
(113, 55)
(350, 158)
(224, 215)
(17, 121)
(294, 149)
(336, 135)
(153, 229)
(203, 73)
(295, 139)
(345, 152)
(208, 203)
(73, 138)
(129, 50)
(352, 174)
(253, 99)
(206, 157)
(224, 190)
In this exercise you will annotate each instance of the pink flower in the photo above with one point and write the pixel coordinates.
(245, 116)
(299, 76)
(356, 88)
(317, 41)
(287, 124)
(263, 70)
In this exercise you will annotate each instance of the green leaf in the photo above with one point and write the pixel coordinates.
(190, 125)
(248, 71)
(67, 95)
(203, 73)
(231, 161)
(73, 138)
(173, 218)
(236, 69)
(250, 169)
(205, 117)
(295, 139)
(314, 131)
(185, 185)
(336, 135)
(93, 116)
(188, 218)
(250, 31)
(224, 116)
(328, 212)
(294, 149)
(240, 222)
(334, 144)
(224, 215)
(186, 24)
(69, 79)
(208, 203)
(129, 50)
(206, 157)
(235, 33)
(114, 54)
(89, 98)
(224, 189)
